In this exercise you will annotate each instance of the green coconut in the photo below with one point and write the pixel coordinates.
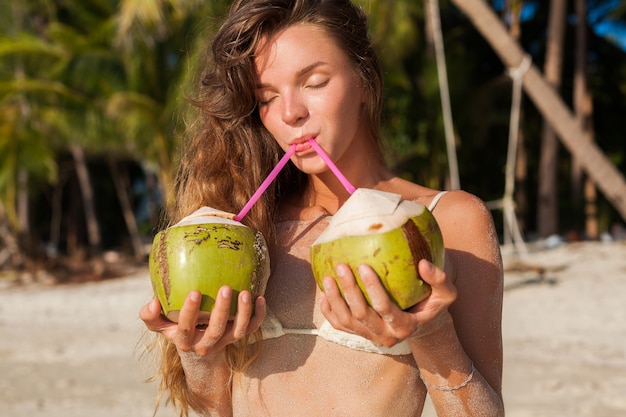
(389, 234)
(204, 252)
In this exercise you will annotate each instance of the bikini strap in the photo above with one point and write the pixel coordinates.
(435, 200)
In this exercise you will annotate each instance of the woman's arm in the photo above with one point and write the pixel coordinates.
(455, 333)
(208, 383)
(461, 361)
(201, 351)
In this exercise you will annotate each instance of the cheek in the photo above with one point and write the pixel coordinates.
(265, 115)
(262, 113)
(352, 107)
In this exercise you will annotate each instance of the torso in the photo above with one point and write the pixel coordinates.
(306, 375)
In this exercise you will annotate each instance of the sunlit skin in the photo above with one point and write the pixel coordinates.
(322, 99)
(307, 88)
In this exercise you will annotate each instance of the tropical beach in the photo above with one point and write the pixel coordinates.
(73, 350)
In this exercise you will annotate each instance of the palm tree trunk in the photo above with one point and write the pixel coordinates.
(120, 181)
(599, 168)
(165, 174)
(56, 219)
(583, 105)
(548, 193)
(22, 201)
(10, 251)
(580, 90)
(93, 229)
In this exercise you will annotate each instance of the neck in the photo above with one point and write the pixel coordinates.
(326, 191)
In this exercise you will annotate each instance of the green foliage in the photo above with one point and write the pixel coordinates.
(113, 76)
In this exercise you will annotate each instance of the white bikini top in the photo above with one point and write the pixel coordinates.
(272, 327)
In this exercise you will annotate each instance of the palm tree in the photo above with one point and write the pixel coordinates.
(159, 44)
(597, 166)
(548, 195)
(583, 106)
(79, 70)
(91, 70)
(25, 154)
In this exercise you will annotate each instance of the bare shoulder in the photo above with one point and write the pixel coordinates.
(471, 241)
(464, 218)
(462, 201)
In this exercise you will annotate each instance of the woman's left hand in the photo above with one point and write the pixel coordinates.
(384, 323)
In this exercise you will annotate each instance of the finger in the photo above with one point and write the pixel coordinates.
(325, 306)
(430, 273)
(378, 296)
(352, 293)
(260, 311)
(435, 277)
(442, 288)
(188, 319)
(242, 318)
(218, 320)
(151, 315)
(335, 303)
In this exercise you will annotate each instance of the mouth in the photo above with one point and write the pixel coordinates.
(303, 144)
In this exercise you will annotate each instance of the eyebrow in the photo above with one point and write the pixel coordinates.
(300, 72)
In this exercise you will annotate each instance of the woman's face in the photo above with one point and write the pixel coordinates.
(308, 89)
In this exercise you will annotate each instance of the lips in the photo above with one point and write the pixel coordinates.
(302, 143)
(301, 147)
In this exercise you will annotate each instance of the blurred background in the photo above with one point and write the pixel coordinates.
(93, 100)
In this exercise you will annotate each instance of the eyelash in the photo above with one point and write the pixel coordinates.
(320, 85)
(315, 87)
(264, 103)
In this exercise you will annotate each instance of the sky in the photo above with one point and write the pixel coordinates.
(606, 26)
(598, 17)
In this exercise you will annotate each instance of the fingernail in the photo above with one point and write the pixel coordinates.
(195, 296)
(327, 281)
(245, 297)
(430, 267)
(226, 292)
(342, 270)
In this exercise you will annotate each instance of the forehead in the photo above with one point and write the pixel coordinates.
(296, 47)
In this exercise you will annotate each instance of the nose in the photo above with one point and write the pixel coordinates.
(294, 109)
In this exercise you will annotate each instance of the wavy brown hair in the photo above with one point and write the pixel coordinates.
(227, 151)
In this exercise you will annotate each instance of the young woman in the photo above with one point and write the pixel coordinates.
(284, 72)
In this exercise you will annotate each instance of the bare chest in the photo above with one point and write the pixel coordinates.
(292, 293)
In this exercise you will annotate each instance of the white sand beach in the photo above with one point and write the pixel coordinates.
(70, 350)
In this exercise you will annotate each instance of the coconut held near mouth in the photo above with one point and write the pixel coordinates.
(389, 234)
(205, 251)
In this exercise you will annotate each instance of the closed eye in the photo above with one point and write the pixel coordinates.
(265, 100)
(319, 85)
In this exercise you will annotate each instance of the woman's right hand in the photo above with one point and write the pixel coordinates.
(220, 330)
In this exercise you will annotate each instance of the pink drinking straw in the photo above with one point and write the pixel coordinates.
(271, 177)
(344, 181)
(281, 164)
